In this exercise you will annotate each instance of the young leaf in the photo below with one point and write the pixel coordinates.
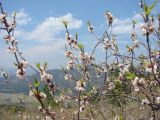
(38, 65)
(36, 83)
(80, 46)
(76, 35)
(45, 65)
(130, 76)
(152, 6)
(65, 23)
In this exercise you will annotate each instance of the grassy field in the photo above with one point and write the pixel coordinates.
(20, 106)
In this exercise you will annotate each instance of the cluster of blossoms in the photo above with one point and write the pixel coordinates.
(73, 58)
(90, 27)
(123, 68)
(71, 41)
(68, 76)
(34, 93)
(147, 28)
(43, 110)
(83, 103)
(111, 86)
(80, 85)
(145, 102)
(138, 82)
(109, 17)
(21, 71)
(46, 78)
(100, 69)
(85, 58)
(149, 68)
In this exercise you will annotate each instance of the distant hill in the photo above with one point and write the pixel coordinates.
(14, 85)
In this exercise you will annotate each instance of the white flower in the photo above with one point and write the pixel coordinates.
(26, 117)
(24, 63)
(12, 49)
(68, 77)
(145, 102)
(48, 118)
(37, 117)
(70, 65)
(109, 17)
(43, 95)
(2, 16)
(111, 86)
(136, 82)
(85, 58)
(45, 76)
(158, 100)
(80, 85)
(31, 93)
(90, 28)
(82, 108)
(21, 73)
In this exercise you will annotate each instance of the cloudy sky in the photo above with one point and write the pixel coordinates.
(41, 34)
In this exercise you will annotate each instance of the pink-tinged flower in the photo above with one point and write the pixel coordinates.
(68, 77)
(158, 100)
(48, 118)
(31, 93)
(85, 58)
(8, 38)
(12, 49)
(80, 85)
(133, 36)
(23, 63)
(109, 17)
(81, 108)
(145, 102)
(21, 73)
(43, 95)
(90, 28)
(69, 54)
(45, 76)
(147, 28)
(2, 16)
(149, 69)
(75, 44)
(111, 86)
(136, 82)
(26, 117)
(68, 38)
(70, 65)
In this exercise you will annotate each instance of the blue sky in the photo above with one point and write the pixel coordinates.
(41, 36)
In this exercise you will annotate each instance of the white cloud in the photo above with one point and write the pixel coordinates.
(50, 28)
(124, 26)
(50, 45)
(22, 17)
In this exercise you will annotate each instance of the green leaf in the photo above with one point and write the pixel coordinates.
(38, 65)
(152, 6)
(65, 23)
(76, 35)
(45, 65)
(121, 117)
(36, 83)
(62, 68)
(145, 8)
(88, 23)
(80, 46)
(148, 9)
(134, 22)
(14, 13)
(129, 75)
(117, 83)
